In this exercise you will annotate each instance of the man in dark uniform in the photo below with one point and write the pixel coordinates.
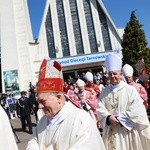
(32, 97)
(24, 111)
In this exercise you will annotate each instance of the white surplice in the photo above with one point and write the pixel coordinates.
(7, 139)
(124, 101)
(70, 129)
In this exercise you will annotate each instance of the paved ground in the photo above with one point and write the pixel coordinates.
(22, 136)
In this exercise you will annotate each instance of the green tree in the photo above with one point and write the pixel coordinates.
(146, 57)
(134, 43)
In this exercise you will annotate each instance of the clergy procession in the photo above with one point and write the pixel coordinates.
(94, 111)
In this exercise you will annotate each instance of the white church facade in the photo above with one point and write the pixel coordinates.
(77, 33)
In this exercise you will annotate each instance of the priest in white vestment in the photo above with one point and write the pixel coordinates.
(63, 126)
(7, 139)
(122, 113)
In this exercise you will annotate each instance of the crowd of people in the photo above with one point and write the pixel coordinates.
(74, 110)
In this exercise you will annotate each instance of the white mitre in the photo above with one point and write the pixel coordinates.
(113, 62)
(127, 70)
(89, 76)
(80, 83)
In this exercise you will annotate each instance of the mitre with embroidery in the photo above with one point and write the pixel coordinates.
(50, 77)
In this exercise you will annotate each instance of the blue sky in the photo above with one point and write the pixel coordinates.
(119, 10)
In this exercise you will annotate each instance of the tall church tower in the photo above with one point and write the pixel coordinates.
(15, 35)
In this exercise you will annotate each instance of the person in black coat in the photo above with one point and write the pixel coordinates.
(24, 111)
(32, 97)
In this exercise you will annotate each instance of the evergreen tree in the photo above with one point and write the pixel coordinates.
(147, 59)
(134, 43)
